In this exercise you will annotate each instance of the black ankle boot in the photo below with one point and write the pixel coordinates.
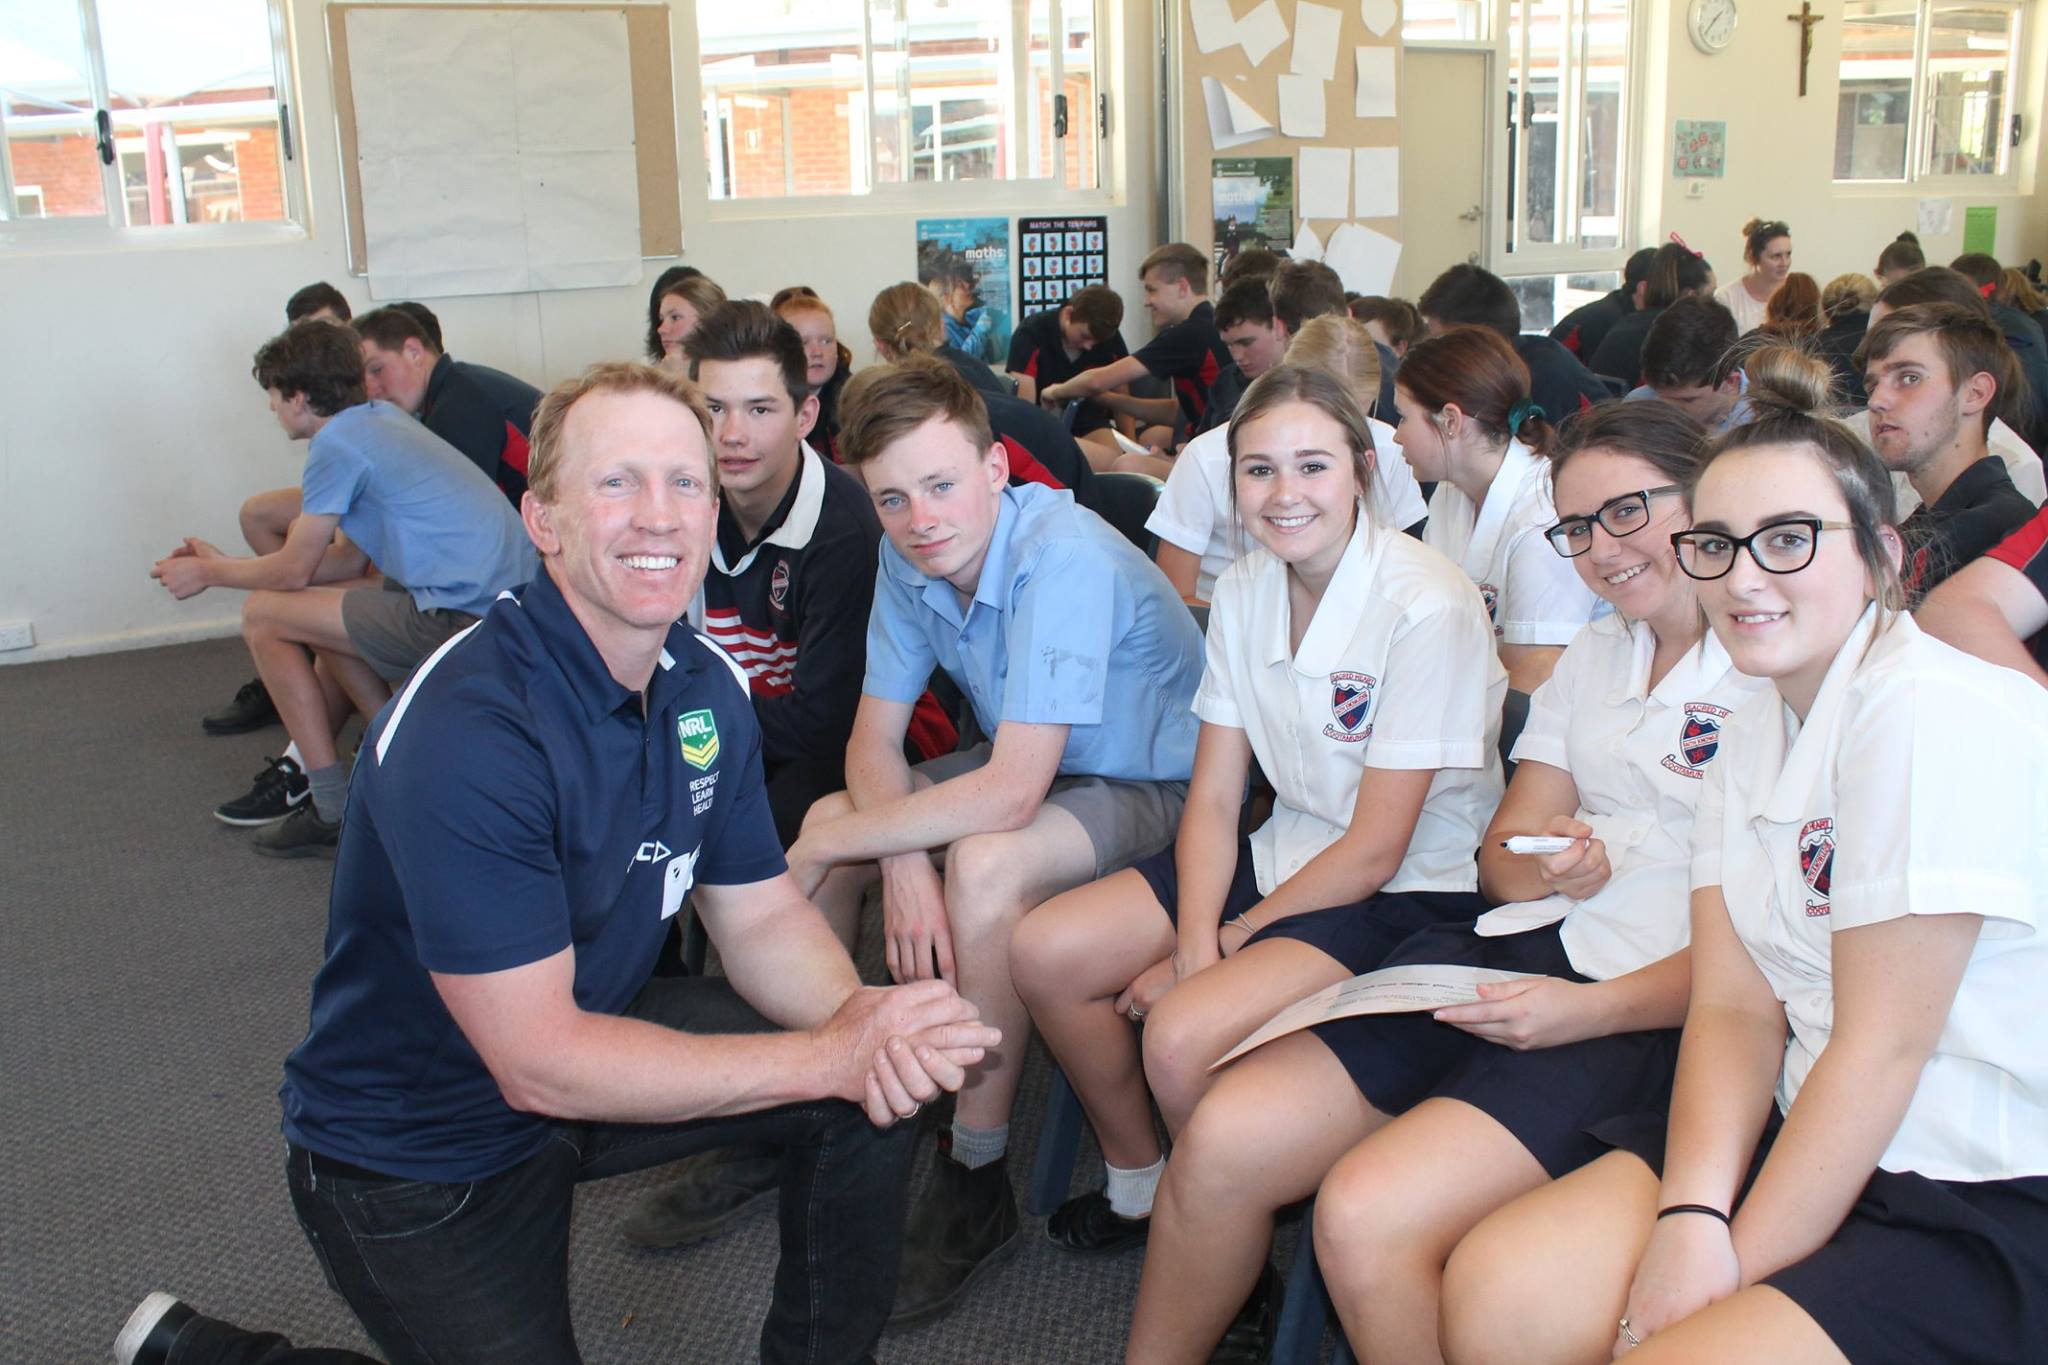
(964, 1222)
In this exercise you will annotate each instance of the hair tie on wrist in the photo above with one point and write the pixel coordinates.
(1707, 1209)
(1521, 412)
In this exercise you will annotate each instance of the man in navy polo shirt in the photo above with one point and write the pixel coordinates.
(530, 812)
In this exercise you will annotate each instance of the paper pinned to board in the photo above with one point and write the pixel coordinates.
(1379, 15)
(1937, 217)
(1390, 990)
(1379, 183)
(1365, 260)
(1307, 246)
(1315, 41)
(1323, 189)
(1246, 121)
(1215, 28)
(1227, 111)
(1262, 32)
(1304, 113)
(1375, 83)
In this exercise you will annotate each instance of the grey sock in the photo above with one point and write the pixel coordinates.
(330, 791)
(976, 1147)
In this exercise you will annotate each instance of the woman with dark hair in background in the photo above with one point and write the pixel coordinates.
(1901, 257)
(683, 296)
(1767, 248)
(1675, 272)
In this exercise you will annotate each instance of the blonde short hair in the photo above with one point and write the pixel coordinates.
(544, 454)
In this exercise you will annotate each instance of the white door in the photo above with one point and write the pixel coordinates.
(1444, 148)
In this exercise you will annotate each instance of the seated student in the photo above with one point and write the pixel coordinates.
(682, 297)
(1675, 274)
(1196, 518)
(485, 1035)
(1055, 345)
(1079, 663)
(1309, 289)
(1186, 350)
(1466, 295)
(902, 324)
(1458, 1112)
(317, 300)
(1690, 361)
(1394, 323)
(1252, 263)
(1845, 305)
(2016, 291)
(828, 364)
(399, 495)
(1901, 257)
(1580, 330)
(1856, 1161)
(1256, 339)
(1997, 607)
(482, 412)
(1354, 664)
(1793, 313)
(1936, 373)
(2022, 333)
(1468, 425)
(1767, 251)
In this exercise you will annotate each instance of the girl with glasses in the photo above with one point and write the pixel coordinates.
(1856, 1160)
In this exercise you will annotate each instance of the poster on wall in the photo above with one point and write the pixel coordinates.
(1700, 150)
(1252, 204)
(1057, 256)
(966, 262)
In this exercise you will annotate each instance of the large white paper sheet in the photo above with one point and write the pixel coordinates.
(1303, 111)
(1379, 15)
(1315, 41)
(1365, 260)
(1322, 189)
(1379, 183)
(1262, 32)
(1375, 83)
(1307, 246)
(1936, 217)
(1214, 26)
(1226, 109)
(1390, 990)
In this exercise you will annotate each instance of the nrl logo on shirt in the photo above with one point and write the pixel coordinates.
(1699, 739)
(1350, 703)
(697, 732)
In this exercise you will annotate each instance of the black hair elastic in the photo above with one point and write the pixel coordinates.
(1707, 1209)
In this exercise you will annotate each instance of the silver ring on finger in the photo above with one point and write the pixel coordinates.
(1137, 1015)
(915, 1105)
(1628, 1335)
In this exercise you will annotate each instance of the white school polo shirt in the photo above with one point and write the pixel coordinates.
(1396, 671)
(1637, 755)
(1532, 592)
(1195, 512)
(2021, 463)
(1917, 786)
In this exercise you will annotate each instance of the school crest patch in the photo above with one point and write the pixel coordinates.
(1817, 864)
(1350, 705)
(1699, 739)
(1491, 596)
(697, 733)
(778, 585)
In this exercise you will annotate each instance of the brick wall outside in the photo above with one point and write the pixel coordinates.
(67, 169)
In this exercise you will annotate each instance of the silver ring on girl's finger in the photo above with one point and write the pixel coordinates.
(1137, 1015)
(1628, 1335)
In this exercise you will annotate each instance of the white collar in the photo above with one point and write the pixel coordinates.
(796, 529)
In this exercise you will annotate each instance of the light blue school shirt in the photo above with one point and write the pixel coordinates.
(1070, 625)
(419, 507)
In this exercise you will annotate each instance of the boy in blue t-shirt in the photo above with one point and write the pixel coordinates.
(1080, 663)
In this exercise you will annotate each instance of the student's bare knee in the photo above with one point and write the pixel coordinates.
(1352, 1227)
(985, 875)
(1481, 1309)
(1049, 956)
(1214, 1154)
(1178, 1043)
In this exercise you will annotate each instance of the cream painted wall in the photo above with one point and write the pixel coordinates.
(128, 418)
(1781, 149)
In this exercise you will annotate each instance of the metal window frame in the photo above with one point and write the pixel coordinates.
(1920, 99)
(1506, 254)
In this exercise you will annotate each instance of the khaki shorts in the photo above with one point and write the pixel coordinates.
(1125, 821)
(389, 630)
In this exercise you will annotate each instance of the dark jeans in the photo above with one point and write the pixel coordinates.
(479, 1271)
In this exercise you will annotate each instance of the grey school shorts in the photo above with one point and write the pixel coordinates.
(1125, 821)
(389, 630)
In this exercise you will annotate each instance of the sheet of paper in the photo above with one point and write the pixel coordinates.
(1246, 121)
(1365, 260)
(1125, 443)
(1303, 111)
(1375, 83)
(1315, 41)
(1391, 990)
(1214, 26)
(1223, 133)
(1379, 15)
(1307, 246)
(1379, 183)
(1323, 189)
(1937, 217)
(1262, 32)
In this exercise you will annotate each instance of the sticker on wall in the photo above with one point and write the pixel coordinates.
(1699, 149)
(1056, 257)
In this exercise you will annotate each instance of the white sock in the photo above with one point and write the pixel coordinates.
(977, 1147)
(291, 751)
(1131, 1192)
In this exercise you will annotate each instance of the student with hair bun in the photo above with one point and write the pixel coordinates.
(1855, 1165)
(1901, 257)
(1467, 423)
(1767, 250)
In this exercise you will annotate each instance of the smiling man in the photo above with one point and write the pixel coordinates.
(530, 812)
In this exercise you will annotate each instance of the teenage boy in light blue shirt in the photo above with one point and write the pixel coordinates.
(1080, 661)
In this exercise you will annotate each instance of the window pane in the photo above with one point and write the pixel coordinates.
(1546, 298)
(1604, 74)
(193, 91)
(1044, 153)
(942, 86)
(1440, 21)
(1969, 58)
(785, 105)
(1874, 109)
(1536, 150)
(46, 98)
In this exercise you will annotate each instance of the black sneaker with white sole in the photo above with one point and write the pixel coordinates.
(279, 789)
(251, 709)
(302, 834)
(147, 1336)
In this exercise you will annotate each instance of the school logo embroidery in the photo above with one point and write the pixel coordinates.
(1817, 864)
(1699, 739)
(1350, 704)
(778, 585)
(697, 732)
(1491, 596)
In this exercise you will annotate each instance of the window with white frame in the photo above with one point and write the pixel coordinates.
(1568, 121)
(1926, 89)
(1446, 21)
(140, 113)
(833, 97)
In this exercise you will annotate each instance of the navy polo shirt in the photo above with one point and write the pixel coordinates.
(514, 800)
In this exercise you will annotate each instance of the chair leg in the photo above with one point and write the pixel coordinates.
(1298, 1337)
(1059, 1142)
(695, 941)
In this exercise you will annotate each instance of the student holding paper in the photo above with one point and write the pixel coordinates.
(1856, 1164)
(1356, 665)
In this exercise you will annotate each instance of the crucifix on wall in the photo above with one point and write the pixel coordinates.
(1806, 19)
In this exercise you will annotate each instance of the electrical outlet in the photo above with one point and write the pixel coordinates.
(16, 635)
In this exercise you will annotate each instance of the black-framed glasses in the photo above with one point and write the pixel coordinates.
(1781, 547)
(1622, 516)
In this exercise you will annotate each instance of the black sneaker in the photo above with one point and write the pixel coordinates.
(302, 834)
(251, 709)
(1249, 1338)
(1087, 1224)
(711, 1190)
(146, 1337)
(280, 789)
(964, 1223)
